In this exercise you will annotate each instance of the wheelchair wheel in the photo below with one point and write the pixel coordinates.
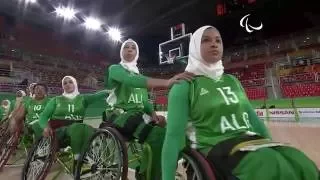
(4, 126)
(105, 157)
(39, 159)
(9, 143)
(194, 166)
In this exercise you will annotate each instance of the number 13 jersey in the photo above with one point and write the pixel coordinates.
(219, 110)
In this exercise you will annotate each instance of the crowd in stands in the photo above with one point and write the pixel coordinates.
(39, 55)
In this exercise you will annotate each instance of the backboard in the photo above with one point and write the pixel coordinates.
(171, 50)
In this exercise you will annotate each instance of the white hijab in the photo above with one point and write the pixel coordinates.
(195, 60)
(130, 66)
(75, 93)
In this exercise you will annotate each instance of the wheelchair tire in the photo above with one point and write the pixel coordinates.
(9, 143)
(122, 153)
(202, 170)
(47, 159)
(4, 124)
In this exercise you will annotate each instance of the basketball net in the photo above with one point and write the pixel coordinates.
(170, 59)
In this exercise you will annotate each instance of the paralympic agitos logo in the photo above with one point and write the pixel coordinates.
(244, 23)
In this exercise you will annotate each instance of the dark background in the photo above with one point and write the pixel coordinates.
(149, 21)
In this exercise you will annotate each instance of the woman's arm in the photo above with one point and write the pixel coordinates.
(47, 113)
(118, 73)
(178, 114)
(16, 119)
(148, 108)
(91, 98)
(257, 124)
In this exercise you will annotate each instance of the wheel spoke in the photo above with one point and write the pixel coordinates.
(39, 160)
(103, 159)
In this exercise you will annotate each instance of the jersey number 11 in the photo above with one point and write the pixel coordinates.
(71, 108)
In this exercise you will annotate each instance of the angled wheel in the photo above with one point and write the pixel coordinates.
(105, 157)
(39, 159)
(8, 145)
(20, 152)
(3, 126)
(193, 166)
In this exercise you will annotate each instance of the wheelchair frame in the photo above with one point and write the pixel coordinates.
(197, 160)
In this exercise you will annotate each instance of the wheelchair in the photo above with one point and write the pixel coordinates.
(109, 155)
(13, 147)
(45, 152)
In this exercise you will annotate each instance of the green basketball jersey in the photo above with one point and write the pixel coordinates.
(26, 99)
(69, 109)
(218, 111)
(34, 108)
(125, 96)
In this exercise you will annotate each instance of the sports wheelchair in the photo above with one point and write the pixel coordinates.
(110, 155)
(14, 146)
(45, 152)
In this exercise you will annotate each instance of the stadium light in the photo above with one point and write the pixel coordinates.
(31, 1)
(115, 34)
(65, 12)
(92, 23)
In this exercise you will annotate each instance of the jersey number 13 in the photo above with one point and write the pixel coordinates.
(228, 95)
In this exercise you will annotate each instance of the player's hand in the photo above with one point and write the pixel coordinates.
(20, 93)
(159, 120)
(47, 132)
(179, 77)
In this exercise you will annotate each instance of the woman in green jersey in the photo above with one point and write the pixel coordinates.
(30, 109)
(67, 112)
(223, 125)
(129, 107)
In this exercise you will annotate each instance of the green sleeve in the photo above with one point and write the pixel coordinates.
(119, 74)
(178, 113)
(257, 124)
(91, 98)
(47, 113)
(25, 103)
(148, 108)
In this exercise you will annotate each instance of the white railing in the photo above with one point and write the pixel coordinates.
(12, 88)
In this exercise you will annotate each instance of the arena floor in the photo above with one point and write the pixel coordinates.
(304, 136)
